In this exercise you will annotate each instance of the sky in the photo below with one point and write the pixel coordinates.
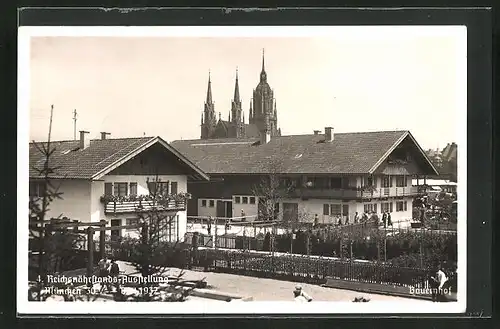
(156, 86)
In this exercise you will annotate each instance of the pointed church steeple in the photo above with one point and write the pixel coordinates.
(209, 90)
(263, 62)
(236, 89)
(263, 75)
(208, 121)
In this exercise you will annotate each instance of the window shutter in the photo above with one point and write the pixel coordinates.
(405, 205)
(390, 206)
(326, 209)
(108, 188)
(375, 207)
(133, 188)
(151, 187)
(173, 187)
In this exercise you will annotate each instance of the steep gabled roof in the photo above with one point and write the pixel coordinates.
(98, 159)
(348, 153)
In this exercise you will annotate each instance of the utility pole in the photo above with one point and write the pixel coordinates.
(74, 124)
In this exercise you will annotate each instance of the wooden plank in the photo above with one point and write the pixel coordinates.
(114, 228)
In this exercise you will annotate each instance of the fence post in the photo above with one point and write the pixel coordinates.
(102, 239)
(90, 247)
(215, 234)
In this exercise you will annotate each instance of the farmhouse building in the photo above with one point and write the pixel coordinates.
(111, 179)
(325, 176)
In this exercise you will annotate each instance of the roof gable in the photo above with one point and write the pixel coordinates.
(98, 159)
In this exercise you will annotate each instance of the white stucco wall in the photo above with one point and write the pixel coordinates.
(76, 200)
(207, 210)
(250, 210)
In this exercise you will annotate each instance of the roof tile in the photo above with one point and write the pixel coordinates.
(348, 153)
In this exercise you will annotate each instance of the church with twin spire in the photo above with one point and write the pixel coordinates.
(262, 118)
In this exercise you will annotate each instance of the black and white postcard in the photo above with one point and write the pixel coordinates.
(254, 169)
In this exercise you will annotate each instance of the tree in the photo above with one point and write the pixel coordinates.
(44, 194)
(154, 252)
(271, 191)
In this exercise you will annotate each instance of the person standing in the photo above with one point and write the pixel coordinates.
(114, 272)
(442, 279)
(384, 219)
(433, 285)
(356, 218)
(243, 216)
(389, 221)
(209, 225)
(103, 271)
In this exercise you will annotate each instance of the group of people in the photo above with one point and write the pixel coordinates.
(108, 267)
(363, 218)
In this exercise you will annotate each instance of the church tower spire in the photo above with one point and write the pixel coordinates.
(237, 127)
(208, 117)
(209, 90)
(236, 88)
(263, 74)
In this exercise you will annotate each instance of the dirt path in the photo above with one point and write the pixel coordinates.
(273, 290)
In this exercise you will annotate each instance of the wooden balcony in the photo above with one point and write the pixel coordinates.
(119, 207)
(387, 192)
(324, 193)
(353, 193)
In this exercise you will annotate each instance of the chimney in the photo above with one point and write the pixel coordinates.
(316, 132)
(329, 134)
(84, 143)
(104, 134)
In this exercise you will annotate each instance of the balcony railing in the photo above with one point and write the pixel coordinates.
(354, 193)
(112, 207)
(143, 203)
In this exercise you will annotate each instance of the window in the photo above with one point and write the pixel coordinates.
(133, 188)
(173, 187)
(326, 209)
(158, 188)
(37, 189)
(252, 200)
(211, 203)
(386, 206)
(369, 207)
(387, 181)
(335, 210)
(401, 205)
(121, 189)
(132, 221)
(203, 202)
(244, 200)
(401, 181)
(108, 188)
(368, 181)
(236, 199)
(335, 182)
